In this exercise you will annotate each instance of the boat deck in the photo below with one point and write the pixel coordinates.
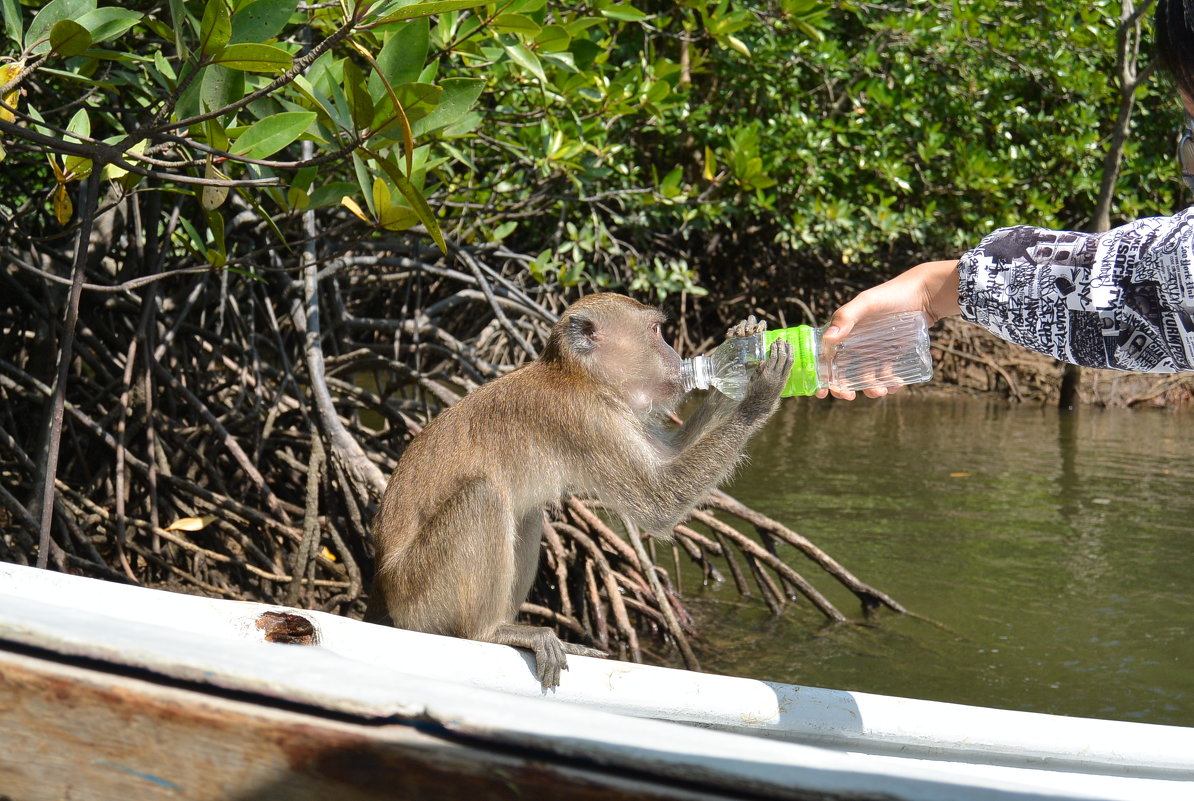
(109, 691)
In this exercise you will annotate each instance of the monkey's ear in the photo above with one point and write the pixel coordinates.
(584, 334)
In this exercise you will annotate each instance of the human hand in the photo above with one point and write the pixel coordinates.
(931, 287)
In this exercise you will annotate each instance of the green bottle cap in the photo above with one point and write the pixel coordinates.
(803, 378)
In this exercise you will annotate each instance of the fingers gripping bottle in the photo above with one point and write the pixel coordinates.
(886, 351)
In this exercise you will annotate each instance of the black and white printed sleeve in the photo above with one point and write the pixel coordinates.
(1123, 299)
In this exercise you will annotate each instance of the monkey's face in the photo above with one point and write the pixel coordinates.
(619, 342)
(643, 364)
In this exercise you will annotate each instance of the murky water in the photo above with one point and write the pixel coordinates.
(1054, 554)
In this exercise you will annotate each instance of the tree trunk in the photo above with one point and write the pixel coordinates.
(1129, 78)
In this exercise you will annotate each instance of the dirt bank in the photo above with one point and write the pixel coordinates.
(970, 359)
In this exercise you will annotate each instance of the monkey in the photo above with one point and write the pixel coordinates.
(457, 532)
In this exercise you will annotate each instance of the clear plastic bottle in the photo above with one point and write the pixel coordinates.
(886, 351)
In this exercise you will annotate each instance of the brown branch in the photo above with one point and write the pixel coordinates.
(90, 197)
(869, 596)
(647, 565)
(758, 553)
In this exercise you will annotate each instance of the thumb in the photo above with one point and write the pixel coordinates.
(840, 324)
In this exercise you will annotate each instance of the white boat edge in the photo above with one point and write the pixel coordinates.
(616, 713)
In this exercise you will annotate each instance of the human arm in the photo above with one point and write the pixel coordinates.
(1123, 299)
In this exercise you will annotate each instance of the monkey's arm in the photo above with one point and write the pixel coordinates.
(715, 404)
(712, 409)
(658, 493)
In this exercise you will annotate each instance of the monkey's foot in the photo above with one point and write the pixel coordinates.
(549, 652)
(582, 650)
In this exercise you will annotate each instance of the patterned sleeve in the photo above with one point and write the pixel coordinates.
(1123, 299)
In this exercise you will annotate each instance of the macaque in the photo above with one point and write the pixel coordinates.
(457, 532)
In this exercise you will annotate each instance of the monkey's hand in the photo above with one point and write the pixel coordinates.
(762, 392)
(549, 651)
(747, 327)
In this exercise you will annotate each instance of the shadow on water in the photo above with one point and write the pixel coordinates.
(1056, 551)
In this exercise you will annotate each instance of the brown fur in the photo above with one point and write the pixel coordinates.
(457, 533)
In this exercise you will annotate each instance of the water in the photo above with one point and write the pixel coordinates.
(1054, 556)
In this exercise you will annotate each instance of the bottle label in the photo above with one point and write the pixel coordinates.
(803, 378)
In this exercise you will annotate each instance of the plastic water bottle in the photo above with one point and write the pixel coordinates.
(886, 351)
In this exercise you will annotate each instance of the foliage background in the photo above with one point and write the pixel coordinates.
(669, 146)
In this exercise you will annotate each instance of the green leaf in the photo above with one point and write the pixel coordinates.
(462, 127)
(570, 274)
(402, 56)
(303, 178)
(50, 14)
(164, 68)
(212, 197)
(259, 20)
(397, 217)
(77, 167)
(80, 123)
(525, 6)
(364, 179)
(515, 23)
(221, 87)
(553, 39)
(417, 203)
(338, 104)
(217, 136)
(315, 100)
(658, 91)
(581, 24)
(69, 38)
(381, 193)
(563, 60)
(459, 95)
(417, 99)
(108, 23)
(193, 240)
(217, 256)
(76, 77)
(330, 194)
(215, 28)
(737, 44)
(522, 55)
(267, 136)
(584, 52)
(13, 26)
(669, 187)
(179, 19)
(249, 272)
(623, 13)
(426, 9)
(297, 199)
(360, 104)
(253, 57)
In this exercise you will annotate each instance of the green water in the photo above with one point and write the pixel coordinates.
(1056, 553)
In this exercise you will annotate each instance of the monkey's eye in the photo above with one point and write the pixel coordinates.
(657, 328)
